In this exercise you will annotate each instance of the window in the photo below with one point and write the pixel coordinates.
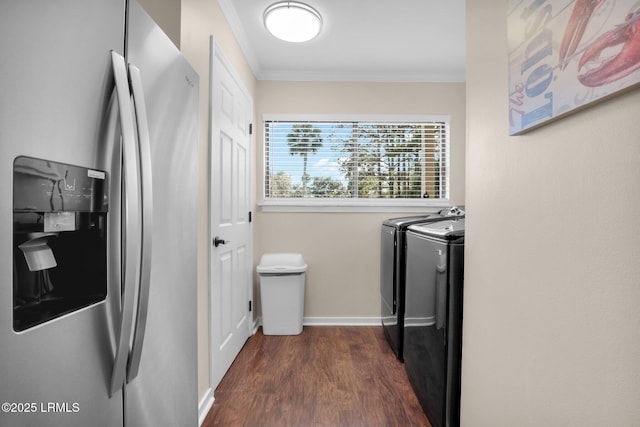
(366, 161)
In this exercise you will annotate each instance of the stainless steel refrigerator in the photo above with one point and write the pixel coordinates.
(98, 140)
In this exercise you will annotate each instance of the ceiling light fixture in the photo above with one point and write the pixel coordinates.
(292, 21)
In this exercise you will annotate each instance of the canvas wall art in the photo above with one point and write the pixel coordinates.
(565, 55)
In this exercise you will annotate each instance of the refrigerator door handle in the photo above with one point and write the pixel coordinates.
(131, 227)
(144, 147)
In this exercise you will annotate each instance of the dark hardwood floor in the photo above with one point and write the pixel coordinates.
(326, 376)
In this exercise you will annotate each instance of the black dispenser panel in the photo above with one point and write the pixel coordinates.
(59, 240)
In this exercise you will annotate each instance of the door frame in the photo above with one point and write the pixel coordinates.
(217, 54)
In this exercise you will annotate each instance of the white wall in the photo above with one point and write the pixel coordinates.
(343, 249)
(552, 280)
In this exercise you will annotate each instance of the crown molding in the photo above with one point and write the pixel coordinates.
(241, 36)
(352, 76)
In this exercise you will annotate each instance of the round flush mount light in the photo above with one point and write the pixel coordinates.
(292, 21)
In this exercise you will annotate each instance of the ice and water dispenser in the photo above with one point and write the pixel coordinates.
(59, 240)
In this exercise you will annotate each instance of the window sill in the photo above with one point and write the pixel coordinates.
(376, 205)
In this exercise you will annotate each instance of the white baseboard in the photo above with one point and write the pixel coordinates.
(342, 321)
(205, 406)
(334, 321)
(256, 324)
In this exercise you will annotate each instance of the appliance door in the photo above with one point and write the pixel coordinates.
(161, 386)
(56, 88)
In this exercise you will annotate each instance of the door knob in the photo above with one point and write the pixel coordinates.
(218, 241)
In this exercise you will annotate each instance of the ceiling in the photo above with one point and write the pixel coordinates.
(361, 40)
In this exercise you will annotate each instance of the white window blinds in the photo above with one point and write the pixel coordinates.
(355, 159)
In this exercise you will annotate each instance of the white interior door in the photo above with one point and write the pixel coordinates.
(231, 260)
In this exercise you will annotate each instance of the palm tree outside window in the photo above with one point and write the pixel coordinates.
(356, 159)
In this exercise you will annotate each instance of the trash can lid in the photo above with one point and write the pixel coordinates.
(282, 263)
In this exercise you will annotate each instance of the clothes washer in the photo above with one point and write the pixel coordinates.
(433, 317)
(392, 272)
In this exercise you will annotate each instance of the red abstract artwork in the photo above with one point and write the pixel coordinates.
(565, 55)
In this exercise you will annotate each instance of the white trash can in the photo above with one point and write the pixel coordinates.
(282, 278)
